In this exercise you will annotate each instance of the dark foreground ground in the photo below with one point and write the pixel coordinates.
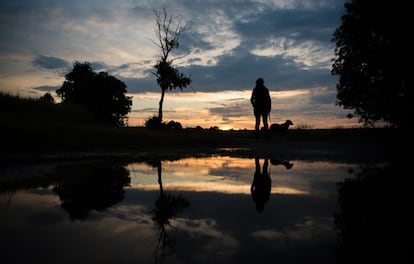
(360, 144)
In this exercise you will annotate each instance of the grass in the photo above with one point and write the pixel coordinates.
(32, 126)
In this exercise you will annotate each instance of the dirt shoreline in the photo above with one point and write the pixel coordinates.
(346, 145)
(366, 152)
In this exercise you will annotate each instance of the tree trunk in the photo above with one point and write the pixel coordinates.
(159, 169)
(160, 105)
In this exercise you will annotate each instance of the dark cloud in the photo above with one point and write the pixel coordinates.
(298, 24)
(140, 85)
(240, 70)
(145, 110)
(323, 97)
(46, 88)
(229, 111)
(99, 66)
(50, 63)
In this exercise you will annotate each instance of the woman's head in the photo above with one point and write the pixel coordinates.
(260, 81)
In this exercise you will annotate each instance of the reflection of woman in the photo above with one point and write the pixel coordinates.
(261, 185)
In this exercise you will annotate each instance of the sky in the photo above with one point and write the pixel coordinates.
(232, 43)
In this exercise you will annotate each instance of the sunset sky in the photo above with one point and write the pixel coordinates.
(286, 42)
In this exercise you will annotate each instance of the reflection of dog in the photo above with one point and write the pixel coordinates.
(281, 127)
(285, 163)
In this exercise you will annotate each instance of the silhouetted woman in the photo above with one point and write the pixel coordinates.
(262, 104)
(261, 185)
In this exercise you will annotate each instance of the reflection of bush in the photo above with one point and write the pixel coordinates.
(91, 187)
(371, 217)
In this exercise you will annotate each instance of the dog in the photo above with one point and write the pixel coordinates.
(281, 127)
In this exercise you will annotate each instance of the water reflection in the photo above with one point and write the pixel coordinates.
(130, 209)
(372, 215)
(167, 206)
(88, 187)
(262, 183)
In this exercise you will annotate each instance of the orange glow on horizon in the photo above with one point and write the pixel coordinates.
(229, 188)
(229, 175)
(232, 109)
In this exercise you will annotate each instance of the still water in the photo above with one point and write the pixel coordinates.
(215, 209)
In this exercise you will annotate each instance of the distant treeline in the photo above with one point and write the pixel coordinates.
(38, 125)
(16, 109)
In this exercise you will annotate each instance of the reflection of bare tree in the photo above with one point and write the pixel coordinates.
(167, 206)
(9, 196)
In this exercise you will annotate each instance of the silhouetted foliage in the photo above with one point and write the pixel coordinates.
(100, 93)
(155, 123)
(174, 125)
(47, 98)
(167, 206)
(168, 32)
(373, 60)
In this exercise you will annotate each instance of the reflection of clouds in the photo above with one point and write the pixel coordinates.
(307, 233)
(215, 225)
(98, 239)
(37, 204)
(214, 241)
(220, 187)
(234, 175)
(211, 167)
(229, 188)
(287, 190)
(130, 212)
(218, 174)
(137, 236)
(137, 224)
(313, 178)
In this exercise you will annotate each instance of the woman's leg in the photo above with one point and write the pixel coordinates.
(265, 124)
(257, 125)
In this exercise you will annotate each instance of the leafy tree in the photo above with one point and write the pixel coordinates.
(168, 32)
(102, 94)
(373, 59)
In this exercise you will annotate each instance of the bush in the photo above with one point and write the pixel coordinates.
(155, 123)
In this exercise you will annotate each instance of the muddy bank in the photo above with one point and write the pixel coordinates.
(283, 150)
(343, 145)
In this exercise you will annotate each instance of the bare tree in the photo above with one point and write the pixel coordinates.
(168, 32)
